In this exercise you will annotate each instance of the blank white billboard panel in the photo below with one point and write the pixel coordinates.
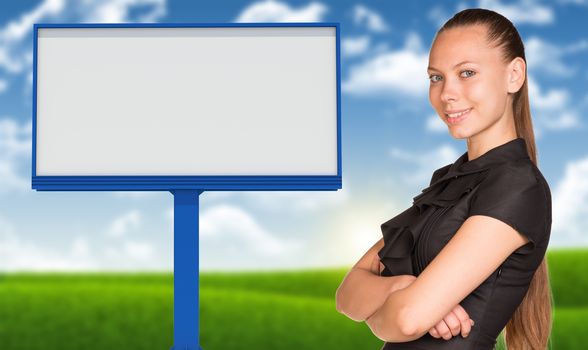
(161, 101)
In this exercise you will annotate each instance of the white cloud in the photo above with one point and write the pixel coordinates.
(138, 250)
(402, 71)
(115, 11)
(573, 2)
(435, 124)
(15, 149)
(138, 195)
(18, 254)
(438, 15)
(552, 109)
(276, 11)
(370, 18)
(3, 86)
(15, 49)
(236, 228)
(413, 42)
(126, 223)
(17, 30)
(13, 34)
(570, 205)
(425, 163)
(284, 201)
(355, 46)
(524, 11)
(546, 57)
(300, 201)
(80, 247)
(552, 99)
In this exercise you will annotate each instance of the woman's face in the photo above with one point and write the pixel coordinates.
(480, 85)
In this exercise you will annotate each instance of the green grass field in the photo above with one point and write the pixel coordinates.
(262, 310)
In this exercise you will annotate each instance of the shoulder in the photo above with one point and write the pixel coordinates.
(515, 176)
(516, 193)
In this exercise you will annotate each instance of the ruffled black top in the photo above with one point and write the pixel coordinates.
(502, 183)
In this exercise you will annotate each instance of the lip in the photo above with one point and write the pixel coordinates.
(460, 118)
(456, 110)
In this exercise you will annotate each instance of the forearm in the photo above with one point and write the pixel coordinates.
(362, 293)
(389, 322)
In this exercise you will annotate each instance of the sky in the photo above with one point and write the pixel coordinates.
(392, 140)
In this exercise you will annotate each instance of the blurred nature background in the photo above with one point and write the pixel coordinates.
(94, 270)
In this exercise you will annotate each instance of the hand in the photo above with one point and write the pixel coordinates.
(456, 321)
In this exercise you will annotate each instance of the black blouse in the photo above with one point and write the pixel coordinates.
(502, 183)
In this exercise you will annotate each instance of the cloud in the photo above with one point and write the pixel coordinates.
(524, 11)
(543, 56)
(126, 223)
(425, 163)
(18, 29)
(570, 205)
(18, 254)
(3, 86)
(15, 148)
(14, 33)
(402, 71)
(438, 15)
(552, 109)
(435, 124)
(355, 46)
(370, 18)
(116, 11)
(285, 201)
(276, 11)
(14, 45)
(573, 2)
(138, 250)
(236, 228)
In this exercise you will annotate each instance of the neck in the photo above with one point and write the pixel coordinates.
(490, 138)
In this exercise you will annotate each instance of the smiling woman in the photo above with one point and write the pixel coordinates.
(468, 257)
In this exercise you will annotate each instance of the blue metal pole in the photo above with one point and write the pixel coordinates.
(186, 270)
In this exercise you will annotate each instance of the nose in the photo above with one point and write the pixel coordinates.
(450, 91)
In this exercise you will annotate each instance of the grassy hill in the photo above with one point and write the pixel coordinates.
(253, 310)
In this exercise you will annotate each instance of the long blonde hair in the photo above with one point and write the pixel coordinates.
(530, 325)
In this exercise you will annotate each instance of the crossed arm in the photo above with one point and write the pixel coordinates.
(397, 313)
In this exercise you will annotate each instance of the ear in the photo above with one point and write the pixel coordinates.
(516, 74)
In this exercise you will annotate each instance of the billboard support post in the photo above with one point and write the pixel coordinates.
(186, 270)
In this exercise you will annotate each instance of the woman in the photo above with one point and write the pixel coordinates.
(468, 258)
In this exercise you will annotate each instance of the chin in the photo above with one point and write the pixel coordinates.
(459, 134)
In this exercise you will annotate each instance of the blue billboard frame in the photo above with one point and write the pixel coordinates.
(170, 183)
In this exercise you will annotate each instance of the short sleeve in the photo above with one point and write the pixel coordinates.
(514, 195)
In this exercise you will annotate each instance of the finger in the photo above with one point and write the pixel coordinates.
(434, 333)
(466, 327)
(461, 313)
(443, 330)
(453, 323)
(464, 319)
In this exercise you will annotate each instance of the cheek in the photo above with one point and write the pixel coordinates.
(478, 93)
(435, 99)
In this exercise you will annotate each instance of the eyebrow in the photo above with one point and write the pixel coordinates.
(457, 65)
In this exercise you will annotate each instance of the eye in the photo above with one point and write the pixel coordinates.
(468, 71)
(432, 78)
